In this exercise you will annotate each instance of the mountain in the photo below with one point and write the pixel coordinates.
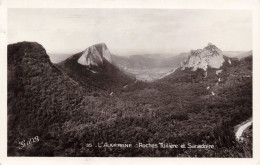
(72, 107)
(209, 56)
(95, 55)
(39, 96)
(209, 62)
(198, 105)
(43, 98)
(94, 68)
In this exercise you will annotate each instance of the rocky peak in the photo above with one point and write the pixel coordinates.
(95, 55)
(212, 49)
(209, 56)
(196, 52)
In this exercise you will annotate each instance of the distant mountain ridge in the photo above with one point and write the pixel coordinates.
(148, 61)
(148, 67)
(233, 54)
(244, 55)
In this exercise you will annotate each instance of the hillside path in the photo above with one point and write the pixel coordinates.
(241, 128)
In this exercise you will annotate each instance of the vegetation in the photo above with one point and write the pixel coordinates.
(68, 111)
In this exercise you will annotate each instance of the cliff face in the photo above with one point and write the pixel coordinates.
(95, 55)
(210, 56)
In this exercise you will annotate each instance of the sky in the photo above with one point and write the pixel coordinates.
(64, 32)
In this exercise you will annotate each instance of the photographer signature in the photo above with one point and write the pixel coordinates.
(30, 141)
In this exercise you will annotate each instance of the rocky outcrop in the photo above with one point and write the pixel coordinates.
(95, 55)
(210, 56)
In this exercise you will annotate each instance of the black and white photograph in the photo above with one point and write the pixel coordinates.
(129, 82)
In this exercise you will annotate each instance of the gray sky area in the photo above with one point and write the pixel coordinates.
(64, 32)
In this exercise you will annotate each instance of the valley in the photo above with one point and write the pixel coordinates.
(149, 74)
(94, 97)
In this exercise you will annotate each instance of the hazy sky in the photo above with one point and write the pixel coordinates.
(64, 32)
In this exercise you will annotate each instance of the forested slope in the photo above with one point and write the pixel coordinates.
(46, 101)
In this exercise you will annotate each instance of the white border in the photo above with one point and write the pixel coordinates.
(177, 4)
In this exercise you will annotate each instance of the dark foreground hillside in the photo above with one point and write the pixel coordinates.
(48, 102)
